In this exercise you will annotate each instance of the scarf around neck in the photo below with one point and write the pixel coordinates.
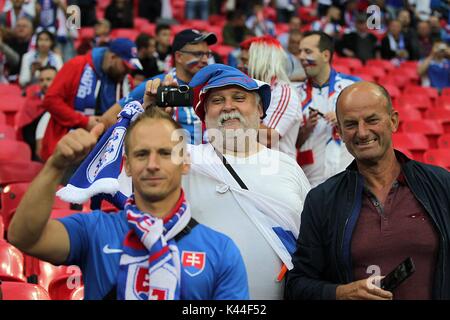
(150, 264)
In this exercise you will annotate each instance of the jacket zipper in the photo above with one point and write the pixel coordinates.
(347, 274)
(440, 234)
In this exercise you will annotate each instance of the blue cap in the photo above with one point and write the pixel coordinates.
(220, 75)
(127, 51)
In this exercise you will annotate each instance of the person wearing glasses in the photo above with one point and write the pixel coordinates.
(190, 53)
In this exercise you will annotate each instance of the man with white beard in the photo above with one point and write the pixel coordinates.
(238, 186)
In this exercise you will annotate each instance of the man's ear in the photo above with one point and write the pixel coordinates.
(327, 55)
(126, 164)
(186, 164)
(260, 110)
(394, 120)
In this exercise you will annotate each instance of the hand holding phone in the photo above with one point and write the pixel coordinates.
(403, 271)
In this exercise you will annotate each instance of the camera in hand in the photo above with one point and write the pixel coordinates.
(403, 271)
(174, 96)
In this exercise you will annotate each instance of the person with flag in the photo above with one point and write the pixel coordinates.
(152, 249)
(321, 152)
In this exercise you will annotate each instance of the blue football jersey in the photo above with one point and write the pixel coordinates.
(211, 264)
(185, 116)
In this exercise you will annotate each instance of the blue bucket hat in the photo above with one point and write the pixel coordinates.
(220, 75)
(127, 51)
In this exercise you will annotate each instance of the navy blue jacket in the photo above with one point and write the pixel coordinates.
(322, 260)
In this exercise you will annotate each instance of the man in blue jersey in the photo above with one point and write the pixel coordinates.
(190, 53)
(152, 250)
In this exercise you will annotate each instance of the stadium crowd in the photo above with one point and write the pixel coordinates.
(316, 140)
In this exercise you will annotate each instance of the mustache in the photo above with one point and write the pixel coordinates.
(230, 116)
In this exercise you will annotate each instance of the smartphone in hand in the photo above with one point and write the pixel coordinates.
(403, 271)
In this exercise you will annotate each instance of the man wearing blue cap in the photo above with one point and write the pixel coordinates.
(190, 53)
(85, 87)
(237, 186)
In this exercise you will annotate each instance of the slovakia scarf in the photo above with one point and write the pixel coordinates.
(102, 171)
(150, 263)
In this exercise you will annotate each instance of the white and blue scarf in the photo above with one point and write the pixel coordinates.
(150, 263)
(102, 171)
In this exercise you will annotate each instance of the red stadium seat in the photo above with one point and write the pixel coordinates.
(14, 171)
(394, 79)
(409, 73)
(376, 72)
(23, 291)
(342, 68)
(2, 229)
(11, 263)
(7, 132)
(65, 286)
(446, 92)
(415, 142)
(352, 63)
(124, 33)
(47, 272)
(409, 65)
(380, 63)
(438, 157)
(140, 22)
(365, 76)
(416, 101)
(406, 114)
(2, 118)
(217, 20)
(394, 92)
(444, 141)
(440, 114)
(223, 51)
(9, 105)
(443, 102)
(431, 128)
(428, 91)
(17, 150)
(10, 89)
(86, 33)
(197, 24)
(10, 198)
(149, 29)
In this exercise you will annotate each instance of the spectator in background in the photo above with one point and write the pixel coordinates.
(191, 53)
(295, 70)
(197, 9)
(259, 24)
(424, 40)
(437, 32)
(435, 69)
(360, 43)
(47, 14)
(404, 16)
(120, 14)
(8, 58)
(323, 6)
(163, 46)
(35, 59)
(102, 37)
(85, 88)
(146, 46)
(19, 41)
(349, 15)
(284, 116)
(235, 30)
(321, 151)
(395, 46)
(329, 23)
(294, 24)
(29, 116)
(10, 17)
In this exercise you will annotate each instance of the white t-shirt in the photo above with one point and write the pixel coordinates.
(329, 158)
(285, 115)
(270, 173)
